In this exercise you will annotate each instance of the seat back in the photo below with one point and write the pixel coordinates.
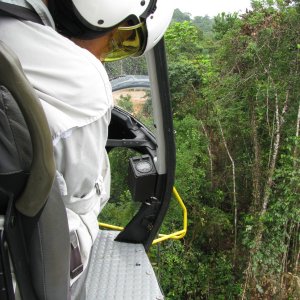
(35, 227)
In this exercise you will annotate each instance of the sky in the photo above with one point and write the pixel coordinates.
(211, 7)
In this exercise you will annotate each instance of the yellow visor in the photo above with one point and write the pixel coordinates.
(126, 41)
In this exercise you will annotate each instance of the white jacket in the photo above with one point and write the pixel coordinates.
(75, 92)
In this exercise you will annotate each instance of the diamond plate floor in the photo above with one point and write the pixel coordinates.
(120, 271)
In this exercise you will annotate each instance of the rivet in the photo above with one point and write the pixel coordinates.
(100, 22)
(143, 3)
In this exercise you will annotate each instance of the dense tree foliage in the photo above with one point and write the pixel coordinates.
(204, 23)
(237, 121)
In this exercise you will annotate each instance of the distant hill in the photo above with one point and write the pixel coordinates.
(205, 23)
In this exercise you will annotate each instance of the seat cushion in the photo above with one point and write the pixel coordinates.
(15, 149)
(15, 142)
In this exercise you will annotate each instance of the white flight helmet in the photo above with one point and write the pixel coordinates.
(136, 25)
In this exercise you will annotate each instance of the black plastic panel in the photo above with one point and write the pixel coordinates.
(126, 131)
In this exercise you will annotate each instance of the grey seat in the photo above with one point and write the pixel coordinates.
(35, 228)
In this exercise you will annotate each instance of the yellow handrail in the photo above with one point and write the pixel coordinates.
(163, 237)
(179, 234)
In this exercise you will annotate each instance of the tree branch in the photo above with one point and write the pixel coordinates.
(234, 190)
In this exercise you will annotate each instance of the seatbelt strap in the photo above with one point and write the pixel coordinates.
(31, 10)
(42, 11)
(19, 12)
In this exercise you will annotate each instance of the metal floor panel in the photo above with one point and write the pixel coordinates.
(120, 271)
